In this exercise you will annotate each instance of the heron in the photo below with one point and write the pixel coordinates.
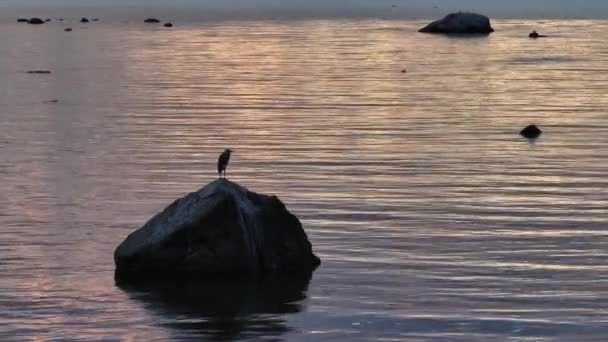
(222, 162)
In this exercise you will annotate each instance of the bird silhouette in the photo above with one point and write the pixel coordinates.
(222, 162)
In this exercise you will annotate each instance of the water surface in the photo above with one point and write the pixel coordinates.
(435, 221)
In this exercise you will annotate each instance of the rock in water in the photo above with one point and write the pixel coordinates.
(531, 132)
(35, 21)
(168, 25)
(222, 228)
(84, 20)
(152, 21)
(23, 20)
(460, 23)
(535, 35)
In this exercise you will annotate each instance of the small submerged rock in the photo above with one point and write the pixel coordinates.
(531, 132)
(38, 72)
(22, 20)
(221, 229)
(69, 29)
(535, 35)
(84, 20)
(35, 21)
(168, 25)
(152, 21)
(460, 23)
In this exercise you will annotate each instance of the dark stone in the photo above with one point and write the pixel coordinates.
(168, 25)
(69, 29)
(460, 23)
(152, 21)
(47, 20)
(60, 19)
(403, 71)
(84, 20)
(23, 20)
(535, 35)
(38, 72)
(35, 21)
(531, 132)
(95, 19)
(222, 229)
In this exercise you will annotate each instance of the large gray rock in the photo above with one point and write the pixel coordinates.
(460, 23)
(222, 228)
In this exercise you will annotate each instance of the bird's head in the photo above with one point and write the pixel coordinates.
(228, 151)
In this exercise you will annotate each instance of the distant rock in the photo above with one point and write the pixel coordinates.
(35, 21)
(47, 20)
(38, 72)
(168, 25)
(535, 35)
(221, 229)
(60, 19)
(152, 21)
(403, 71)
(460, 23)
(23, 20)
(84, 20)
(95, 19)
(531, 132)
(69, 29)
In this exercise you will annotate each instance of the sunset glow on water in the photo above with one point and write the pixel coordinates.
(434, 219)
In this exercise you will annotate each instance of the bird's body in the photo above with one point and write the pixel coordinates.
(222, 162)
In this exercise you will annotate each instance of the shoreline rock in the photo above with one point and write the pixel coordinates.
(152, 21)
(460, 23)
(221, 229)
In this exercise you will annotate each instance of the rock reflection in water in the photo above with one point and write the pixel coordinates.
(222, 309)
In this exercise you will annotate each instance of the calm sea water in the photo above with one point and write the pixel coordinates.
(435, 221)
